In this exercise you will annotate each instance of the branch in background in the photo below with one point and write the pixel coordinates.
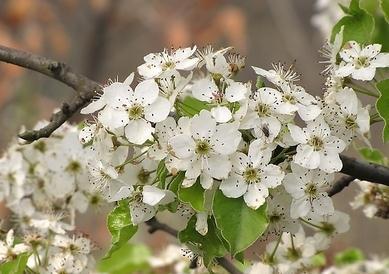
(155, 225)
(339, 185)
(363, 170)
(85, 87)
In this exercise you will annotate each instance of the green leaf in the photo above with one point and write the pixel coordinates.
(318, 260)
(384, 4)
(382, 106)
(176, 182)
(120, 225)
(129, 258)
(193, 195)
(161, 174)
(381, 33)
(348, 256)
(16, 266)
(372, 155)
(370, 6)
(190, 106)
(210, 246)
(358, 25)
(240, 225)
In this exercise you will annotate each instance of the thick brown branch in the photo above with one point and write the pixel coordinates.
(363, 170)
(339, 185)
(155, 225)
(85, 87)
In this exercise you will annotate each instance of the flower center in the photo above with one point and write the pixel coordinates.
(136, 112)
(168, 65)
(289, 98)
(202, 147)
(293, 254)
(73, 167)
(328, 228)
(311, 190)
(251, 175)
(262, 109)
(143, 176)
(362, 62)
(316, 142)
(350, 122)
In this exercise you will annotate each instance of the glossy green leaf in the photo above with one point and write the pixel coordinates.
(120, 226)
(382, 106)
(348, 256)
(129, 258)
(370, 6)
(16, 266)
(161, 174)
(358, 25)
(176, 182)
(372, 155)
(209, 246)
(190, 106)
(381, 33)
(240, 225)
(193, 195)
(384, 4)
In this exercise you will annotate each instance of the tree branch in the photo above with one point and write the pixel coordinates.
(339, 185)
(155, 225)
(85, 87)
(363, 170)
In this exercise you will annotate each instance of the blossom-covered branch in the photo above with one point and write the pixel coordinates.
(155, 225)
(82, 85)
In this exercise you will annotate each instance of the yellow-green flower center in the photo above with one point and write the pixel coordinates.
(251, 175)
(262, 109)
(203, 147)
(316, 142)
(136, 112)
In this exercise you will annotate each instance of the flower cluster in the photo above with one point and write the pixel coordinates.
(44, 184)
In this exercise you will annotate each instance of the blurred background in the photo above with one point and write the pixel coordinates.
(107, 39)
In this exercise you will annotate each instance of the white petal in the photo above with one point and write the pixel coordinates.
(183, 146)
(122, 193)
(187, 64)
(345, 70)
(93, 106)
(183, 53)
(152, 195)
(240, 161)
(236, 91)
(307, 157)
(371, 50)
(293, 186)
(330, 162)
(202, 223)
(206, 181)
(204, 89)
(87, 133)
(158, 110)
(381, 60)
(113, 119)
(149, 70)
(308, 112)
(203, 125)
(221, 114)
(146, 92)
(323, 205)
(298, 134)
(129, 79)
(226, 138)
(272, 176)
(138, 131)
(259, 154)
(218, 167)
(364, 74)
(255, 196)
(299, 208)
(141, 212)
(233, 187)
(10, 238)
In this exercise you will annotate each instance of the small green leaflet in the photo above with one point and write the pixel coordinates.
(190, 106)
(385, 8)
(16, 266)
(382, 106)
(209, 246)
(193, 195)
(373, 155)
(348, 256)
(129, 258)
(240, 225)
(358, 25)
(161, 174)
(120, 225)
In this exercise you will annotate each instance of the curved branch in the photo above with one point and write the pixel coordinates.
(339, 185)
(155, 225)
(85, 87)
(363, 170)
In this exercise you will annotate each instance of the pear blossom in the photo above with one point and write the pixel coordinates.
(252, 176)
(162, 64)
(215, 61)
(206, 148)
(279, 75)
(263, 113)
(206, 90)
(361, 62)
(9, 250)
(308, 189)
(317, 148)
(348, 119)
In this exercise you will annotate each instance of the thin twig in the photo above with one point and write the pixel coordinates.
(84, 87)
(155, 225)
